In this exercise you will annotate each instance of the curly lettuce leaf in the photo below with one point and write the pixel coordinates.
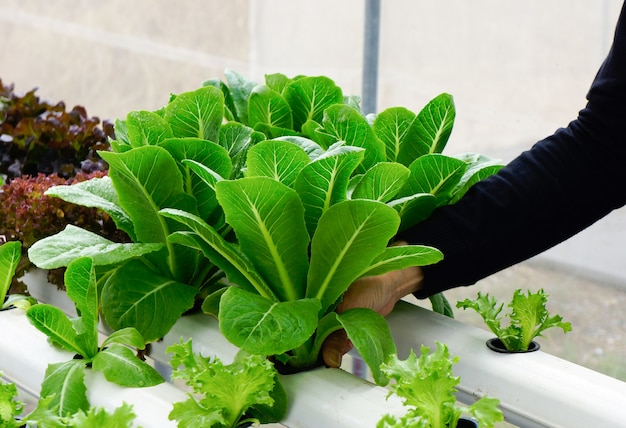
(10, 406)
(528, 317)
(98, 417)
(223, 394)
(427, 386)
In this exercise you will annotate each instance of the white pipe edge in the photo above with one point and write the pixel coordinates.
(25, 354)
(321, 397)
(535, 389)
(332, 398)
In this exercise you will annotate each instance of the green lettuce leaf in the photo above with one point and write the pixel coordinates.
(264, 327)
(98, 417)
(10, 256)
(120, 365)
(152, 305)
(350, 234)
(267, 218)
(225, 394)
(64, 382)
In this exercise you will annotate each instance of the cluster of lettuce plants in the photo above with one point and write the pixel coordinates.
(44, 144)
(264, 202)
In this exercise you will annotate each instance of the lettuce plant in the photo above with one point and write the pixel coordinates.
(194, 183)
(427, 387)
(10, 406)
(113, 358)
(40, 137)
(224, 396)
(528, 317)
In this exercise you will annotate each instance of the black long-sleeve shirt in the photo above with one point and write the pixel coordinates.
(549, 193)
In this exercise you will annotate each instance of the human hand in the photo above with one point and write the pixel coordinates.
(380, 293)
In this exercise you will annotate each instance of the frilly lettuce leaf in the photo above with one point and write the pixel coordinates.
(427, 386)
(528, 317)
(224, 395)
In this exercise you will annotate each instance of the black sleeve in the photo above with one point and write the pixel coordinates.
(549, 193)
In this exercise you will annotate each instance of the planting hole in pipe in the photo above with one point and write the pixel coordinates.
(496, 345)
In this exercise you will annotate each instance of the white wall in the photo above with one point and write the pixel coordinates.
(517, 70)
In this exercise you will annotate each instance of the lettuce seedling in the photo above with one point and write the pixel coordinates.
(10, 406)
(226, 396)
(528, 317)
(427, 387)
(113, 358)
(10, 255)
(46, 416)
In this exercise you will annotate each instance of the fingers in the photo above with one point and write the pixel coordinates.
(334, 348)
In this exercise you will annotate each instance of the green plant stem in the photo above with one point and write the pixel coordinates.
(302, 357)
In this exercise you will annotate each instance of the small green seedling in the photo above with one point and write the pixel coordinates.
(226, 396)
(11, 414)
(114, 358)
(528, 318)
(427, 387)
(10, 255)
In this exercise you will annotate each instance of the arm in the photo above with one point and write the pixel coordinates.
(551, 192)
(562, 185)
